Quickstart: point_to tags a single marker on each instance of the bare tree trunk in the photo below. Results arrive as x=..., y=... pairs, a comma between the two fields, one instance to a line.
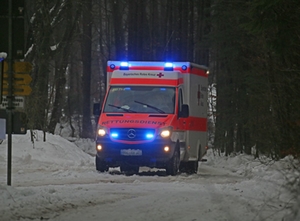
x=119, y=32
x=86, y=48
x=37, y=103
x=61, y=63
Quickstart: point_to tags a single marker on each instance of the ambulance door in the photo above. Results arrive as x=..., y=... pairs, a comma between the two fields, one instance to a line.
x=182, y=124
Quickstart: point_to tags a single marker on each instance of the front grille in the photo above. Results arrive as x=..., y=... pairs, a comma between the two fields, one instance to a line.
x=131, y=134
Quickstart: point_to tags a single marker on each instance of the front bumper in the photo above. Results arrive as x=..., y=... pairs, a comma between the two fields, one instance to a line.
x=151, y=154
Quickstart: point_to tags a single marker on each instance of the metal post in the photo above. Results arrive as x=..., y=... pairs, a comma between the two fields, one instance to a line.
x=9, y=97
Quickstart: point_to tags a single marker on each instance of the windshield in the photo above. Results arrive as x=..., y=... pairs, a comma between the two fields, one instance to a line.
x=140, y=99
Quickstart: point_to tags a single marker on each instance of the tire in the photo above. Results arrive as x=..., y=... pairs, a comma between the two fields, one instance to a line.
x=173, y=165
x=129, y=169
x=193, y=167
x=190, y=167
x=101, y=166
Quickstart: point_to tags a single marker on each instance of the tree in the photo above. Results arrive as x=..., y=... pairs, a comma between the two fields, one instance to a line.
x=86, y=54
x=276, y=26
x=138, y=38
x=41, y=26
x=69, y=28
x=256, y=71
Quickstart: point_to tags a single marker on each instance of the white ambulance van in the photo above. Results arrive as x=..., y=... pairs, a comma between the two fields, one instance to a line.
x=154, y=114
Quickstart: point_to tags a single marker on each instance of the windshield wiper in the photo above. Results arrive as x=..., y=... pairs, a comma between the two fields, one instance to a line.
x=152, y=107
x=122, y=108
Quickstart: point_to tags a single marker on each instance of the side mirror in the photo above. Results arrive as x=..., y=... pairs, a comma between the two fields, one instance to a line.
x=185, y=111
x=96, y=109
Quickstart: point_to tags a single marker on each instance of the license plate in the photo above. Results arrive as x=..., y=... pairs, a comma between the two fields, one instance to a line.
x=131, y=152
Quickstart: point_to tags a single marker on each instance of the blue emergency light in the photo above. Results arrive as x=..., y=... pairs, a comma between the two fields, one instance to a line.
x=168, y=66
x=183, y=67
x=124, y=65
x=114, y=135
x=149, y=135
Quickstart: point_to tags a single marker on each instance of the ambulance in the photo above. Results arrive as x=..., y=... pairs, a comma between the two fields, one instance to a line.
x=154, y=114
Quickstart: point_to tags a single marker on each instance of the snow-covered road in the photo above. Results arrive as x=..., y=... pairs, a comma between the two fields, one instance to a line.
x=49, y=185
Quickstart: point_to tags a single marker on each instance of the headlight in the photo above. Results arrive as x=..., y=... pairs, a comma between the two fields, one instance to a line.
x=101, y=131
x=165, y=132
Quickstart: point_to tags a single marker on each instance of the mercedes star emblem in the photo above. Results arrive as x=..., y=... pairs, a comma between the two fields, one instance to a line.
x=131, y=133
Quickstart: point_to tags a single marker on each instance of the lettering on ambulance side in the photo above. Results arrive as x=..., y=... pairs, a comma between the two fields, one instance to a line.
x=134, y=122
x=141, y=74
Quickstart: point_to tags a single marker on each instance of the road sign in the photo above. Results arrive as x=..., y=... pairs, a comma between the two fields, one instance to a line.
x=5, y=67
x=21, y=78
x=18, y=102
x=17, y=89
x=19, y=67
x=19, y=123
x=18, y=78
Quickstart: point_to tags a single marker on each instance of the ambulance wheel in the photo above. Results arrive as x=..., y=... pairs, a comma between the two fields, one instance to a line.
x=190, y=167
x=173, y=165
x=100, y=165
x=193, y=167
x=129, y=169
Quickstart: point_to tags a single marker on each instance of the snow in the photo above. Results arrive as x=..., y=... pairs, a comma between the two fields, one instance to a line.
x=56, y=180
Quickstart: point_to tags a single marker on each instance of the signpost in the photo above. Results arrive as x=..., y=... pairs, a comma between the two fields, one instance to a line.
x=21, y=79
x=18, y=102
x=18, y=89
x=12, y=18
x=9, y=111
x=18, y=78
x=19, y=67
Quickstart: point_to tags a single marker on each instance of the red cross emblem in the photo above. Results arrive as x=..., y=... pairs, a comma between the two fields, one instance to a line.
x=160, y=75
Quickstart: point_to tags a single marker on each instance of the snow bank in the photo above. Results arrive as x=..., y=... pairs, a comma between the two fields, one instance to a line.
x=56, y=152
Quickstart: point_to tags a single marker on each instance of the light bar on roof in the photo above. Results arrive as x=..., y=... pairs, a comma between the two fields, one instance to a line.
x=124, y=65
x=168, y=66
x=184, y=67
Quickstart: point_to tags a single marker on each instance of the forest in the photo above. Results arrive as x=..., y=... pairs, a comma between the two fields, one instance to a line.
x=251, y=47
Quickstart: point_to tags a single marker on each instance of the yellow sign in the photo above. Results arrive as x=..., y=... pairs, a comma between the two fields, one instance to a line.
x=18, y=79
x=19, y=67
x=17, y=89
x=21, y=78
x=5, y=66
